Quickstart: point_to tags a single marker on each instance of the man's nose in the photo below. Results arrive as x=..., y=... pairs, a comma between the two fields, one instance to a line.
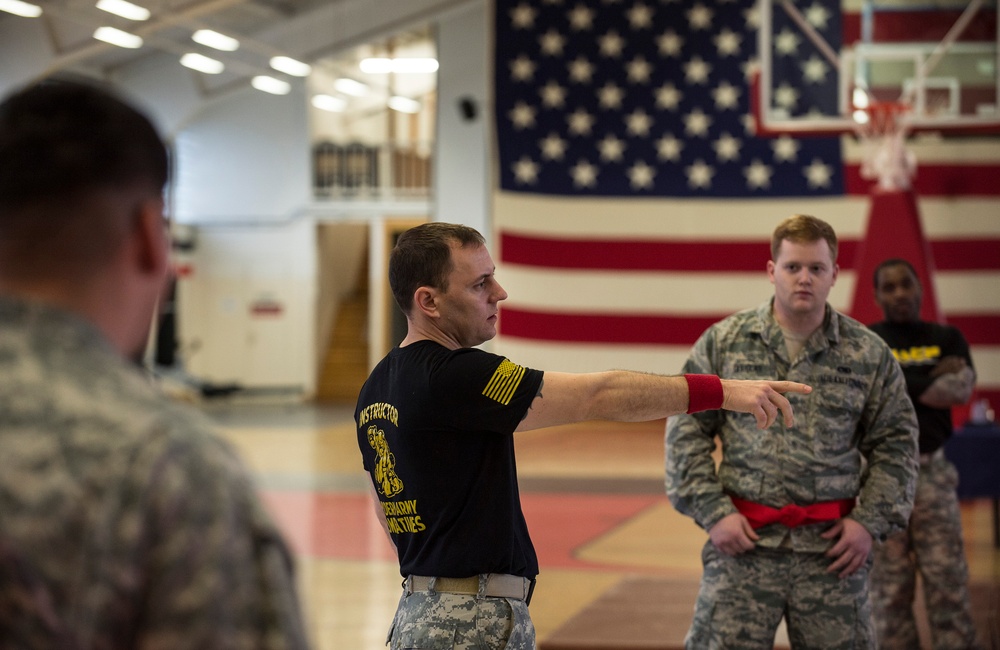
x=500, y=293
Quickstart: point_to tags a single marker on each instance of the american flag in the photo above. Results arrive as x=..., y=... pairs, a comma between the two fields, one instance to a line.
x=646, y=98
x=634, y=205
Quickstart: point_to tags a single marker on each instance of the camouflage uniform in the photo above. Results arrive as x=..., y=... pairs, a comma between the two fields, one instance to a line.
x=935, y=537
x=123, y=522
x=855, y=436
x=431, y=619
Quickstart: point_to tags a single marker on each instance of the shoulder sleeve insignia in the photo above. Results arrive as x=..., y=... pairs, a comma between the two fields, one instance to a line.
x=504, y=382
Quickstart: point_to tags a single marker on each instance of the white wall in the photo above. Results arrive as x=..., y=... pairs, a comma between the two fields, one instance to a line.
x=247, y=308
x=24, y=51
x=246, y=159
x=461, y=174
x=243, y=180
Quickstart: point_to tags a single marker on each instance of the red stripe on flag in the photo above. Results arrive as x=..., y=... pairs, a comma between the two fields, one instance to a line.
x=895, y=26
x=978, y=329
x=708, y=255
x=937, y=180
x=644, y=255
x=966, y=254
x=603, y=328
x=633, y=255
x=648, y=329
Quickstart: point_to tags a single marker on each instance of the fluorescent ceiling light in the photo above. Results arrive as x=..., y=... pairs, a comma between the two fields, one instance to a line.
x=350, y=87
x=329, y=103
x=401, y=65
x=202, y=63
x=215, y=39
x=117, y=37
x=403, y=104
x=124, y=9
x=19, y=8
x=290, y=66
x=271, y=85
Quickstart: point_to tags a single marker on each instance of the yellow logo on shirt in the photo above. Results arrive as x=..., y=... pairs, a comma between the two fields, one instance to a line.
x=386, y=480
x=918, y=355
x=504, y=382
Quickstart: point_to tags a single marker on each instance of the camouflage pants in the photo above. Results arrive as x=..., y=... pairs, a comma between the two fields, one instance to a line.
x=429, y=620
x=743, y=599
x=932, y=545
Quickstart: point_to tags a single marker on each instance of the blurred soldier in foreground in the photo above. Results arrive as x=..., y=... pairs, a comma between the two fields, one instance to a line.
x=123, y=522
x=938, y=369
x=792, y=512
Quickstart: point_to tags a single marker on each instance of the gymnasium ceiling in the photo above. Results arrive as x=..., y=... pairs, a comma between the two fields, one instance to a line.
x=330, y=35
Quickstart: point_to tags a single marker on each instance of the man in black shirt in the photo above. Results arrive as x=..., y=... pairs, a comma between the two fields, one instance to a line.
x=436, y=420
x=939, y=374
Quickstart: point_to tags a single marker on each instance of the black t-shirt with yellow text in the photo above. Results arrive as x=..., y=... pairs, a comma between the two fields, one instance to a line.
x=435, y=428
x=919, y=347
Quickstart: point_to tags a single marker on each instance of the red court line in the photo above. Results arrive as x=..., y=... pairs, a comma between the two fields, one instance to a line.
x=330, y=525
x=561, y=524
x=344, y=526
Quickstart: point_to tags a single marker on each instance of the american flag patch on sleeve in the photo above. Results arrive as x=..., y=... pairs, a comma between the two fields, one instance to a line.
x=504, y=382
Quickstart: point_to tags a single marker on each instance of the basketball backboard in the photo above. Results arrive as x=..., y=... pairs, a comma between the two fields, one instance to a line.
x=820, y=70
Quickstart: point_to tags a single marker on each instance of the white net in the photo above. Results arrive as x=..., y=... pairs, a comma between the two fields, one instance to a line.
x=886, y=158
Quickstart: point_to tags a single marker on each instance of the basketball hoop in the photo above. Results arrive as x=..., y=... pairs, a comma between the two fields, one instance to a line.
x=882, y=129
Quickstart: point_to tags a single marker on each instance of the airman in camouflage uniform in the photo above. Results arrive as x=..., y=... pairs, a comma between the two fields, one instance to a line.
x=854, y=438
x=124, y=523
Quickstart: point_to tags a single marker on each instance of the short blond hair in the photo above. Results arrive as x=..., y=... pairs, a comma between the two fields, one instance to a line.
x=803, y=229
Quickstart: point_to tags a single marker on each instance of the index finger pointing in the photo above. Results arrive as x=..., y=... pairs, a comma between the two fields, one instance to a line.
x=791, y=387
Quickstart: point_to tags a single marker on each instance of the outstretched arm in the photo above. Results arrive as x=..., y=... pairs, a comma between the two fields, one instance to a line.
x=626, y=396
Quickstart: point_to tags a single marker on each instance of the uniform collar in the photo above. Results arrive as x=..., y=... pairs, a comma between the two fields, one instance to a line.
x=767, y=327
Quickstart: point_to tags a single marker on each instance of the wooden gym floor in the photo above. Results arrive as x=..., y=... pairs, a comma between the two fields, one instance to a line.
x=619, y=567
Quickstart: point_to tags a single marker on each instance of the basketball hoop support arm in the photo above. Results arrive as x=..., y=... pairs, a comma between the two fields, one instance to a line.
x=760, y=81
x=811, y=33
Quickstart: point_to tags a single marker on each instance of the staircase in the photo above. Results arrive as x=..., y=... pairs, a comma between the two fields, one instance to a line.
x=346, y=365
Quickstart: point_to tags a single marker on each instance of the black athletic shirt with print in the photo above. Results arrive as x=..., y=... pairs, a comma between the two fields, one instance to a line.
x=435, y=427
x=918, y=347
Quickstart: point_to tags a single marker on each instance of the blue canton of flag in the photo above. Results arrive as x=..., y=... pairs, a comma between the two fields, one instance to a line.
x=651, y=98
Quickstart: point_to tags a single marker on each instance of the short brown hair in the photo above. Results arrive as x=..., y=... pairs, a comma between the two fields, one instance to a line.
x=803, y=229
x=422, y=258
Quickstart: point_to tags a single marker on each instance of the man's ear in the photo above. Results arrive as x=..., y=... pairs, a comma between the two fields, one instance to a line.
x=152, y=240
x=425, y=301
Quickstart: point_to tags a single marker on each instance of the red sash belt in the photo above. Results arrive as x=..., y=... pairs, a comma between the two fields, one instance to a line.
x=792, y=515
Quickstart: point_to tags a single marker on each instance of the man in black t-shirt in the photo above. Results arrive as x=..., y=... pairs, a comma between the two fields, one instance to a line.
x=939, y=374
x=436, y=420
